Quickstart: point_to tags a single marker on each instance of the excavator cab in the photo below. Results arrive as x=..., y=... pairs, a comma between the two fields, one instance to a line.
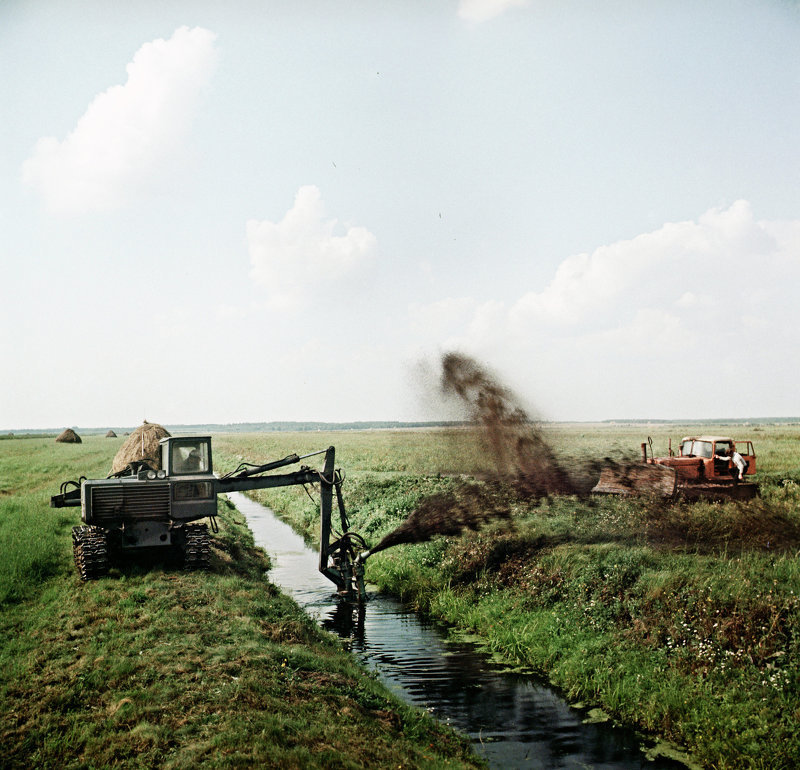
x=186, y=456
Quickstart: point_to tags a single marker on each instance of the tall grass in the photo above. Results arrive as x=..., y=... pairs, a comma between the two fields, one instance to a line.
x=33, y=549
x=679, y=619
x=155, y=667
x=35, y=538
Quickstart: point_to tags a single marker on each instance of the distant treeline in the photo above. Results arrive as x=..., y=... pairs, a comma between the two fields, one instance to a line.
x=242, y=427
x=266, y=427
x=30, y=434
x=716, y=421
x=287, y=426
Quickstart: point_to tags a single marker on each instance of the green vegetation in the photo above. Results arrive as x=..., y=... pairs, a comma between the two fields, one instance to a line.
x=154, y=667
x=681, y=620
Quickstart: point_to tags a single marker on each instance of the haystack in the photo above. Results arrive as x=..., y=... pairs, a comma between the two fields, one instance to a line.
x=111, y=434
x=141, y=445
x=69, y=436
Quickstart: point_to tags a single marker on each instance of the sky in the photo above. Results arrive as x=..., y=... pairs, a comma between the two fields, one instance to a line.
x=271, y=210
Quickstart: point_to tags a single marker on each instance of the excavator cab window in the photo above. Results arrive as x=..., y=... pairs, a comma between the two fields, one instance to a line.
x=190, y=456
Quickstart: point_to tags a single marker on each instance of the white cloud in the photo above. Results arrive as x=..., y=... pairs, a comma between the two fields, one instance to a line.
x=239, y=312
x=689, y=300
x=292, y=257
x=127, y=130
x=651, y=331
x=483, y=10
x=637, y=327
x=706, y=260
x=457, y=322
x=442, y=317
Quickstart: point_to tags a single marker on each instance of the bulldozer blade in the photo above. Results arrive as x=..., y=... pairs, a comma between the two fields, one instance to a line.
x=637, y=479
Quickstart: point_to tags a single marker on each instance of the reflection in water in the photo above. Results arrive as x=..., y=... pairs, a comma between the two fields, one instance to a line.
x=514, y=720
x=346, y=621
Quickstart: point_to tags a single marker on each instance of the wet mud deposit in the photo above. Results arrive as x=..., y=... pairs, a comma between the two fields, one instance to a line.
x=513, y=720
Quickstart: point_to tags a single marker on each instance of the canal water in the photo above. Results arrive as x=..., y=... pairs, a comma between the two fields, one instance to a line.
x=514, y=720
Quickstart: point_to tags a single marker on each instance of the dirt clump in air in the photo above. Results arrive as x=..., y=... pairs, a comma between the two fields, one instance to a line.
x=516, y=443
x=467, y=508
x=523, y=460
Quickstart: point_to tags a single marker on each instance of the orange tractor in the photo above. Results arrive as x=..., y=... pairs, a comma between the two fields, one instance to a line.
x=705, y=468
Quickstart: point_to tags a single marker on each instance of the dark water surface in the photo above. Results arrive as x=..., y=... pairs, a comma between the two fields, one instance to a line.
x=514, y=720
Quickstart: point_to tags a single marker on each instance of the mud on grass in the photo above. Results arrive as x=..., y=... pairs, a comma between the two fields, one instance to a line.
x=692, y=637
x=679, y=619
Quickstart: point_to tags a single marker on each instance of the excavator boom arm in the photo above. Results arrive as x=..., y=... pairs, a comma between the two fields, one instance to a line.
x=338, y=558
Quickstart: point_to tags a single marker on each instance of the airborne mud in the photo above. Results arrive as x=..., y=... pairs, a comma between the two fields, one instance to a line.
x=469, y=507
x=516, y=443
x=520, y=456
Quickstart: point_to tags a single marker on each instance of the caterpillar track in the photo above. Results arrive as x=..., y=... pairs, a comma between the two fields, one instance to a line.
x=197, y=547
x=90, y=549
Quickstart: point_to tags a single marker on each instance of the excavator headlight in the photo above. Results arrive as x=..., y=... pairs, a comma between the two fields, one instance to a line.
x=162, y=474
x=151, y=474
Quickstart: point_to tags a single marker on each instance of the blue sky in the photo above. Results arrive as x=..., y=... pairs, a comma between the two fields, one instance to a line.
x=289, y=211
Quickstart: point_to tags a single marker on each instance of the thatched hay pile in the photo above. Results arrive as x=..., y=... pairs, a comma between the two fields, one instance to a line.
x=141, y=445
x=69, y=436
x=111, y=434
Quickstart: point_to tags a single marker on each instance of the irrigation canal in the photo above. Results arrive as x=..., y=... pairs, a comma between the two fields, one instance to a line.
x=514, y=720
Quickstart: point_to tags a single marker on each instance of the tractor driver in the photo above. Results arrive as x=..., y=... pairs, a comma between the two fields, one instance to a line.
x=738, y=465
x=192, y=463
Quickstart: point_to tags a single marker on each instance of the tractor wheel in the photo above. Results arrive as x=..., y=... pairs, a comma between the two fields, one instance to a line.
x=90, y=549
x=196, y=547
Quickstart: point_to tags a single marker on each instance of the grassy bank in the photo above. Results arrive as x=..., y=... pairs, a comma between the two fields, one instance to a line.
x=681, y=620
x=155, y=667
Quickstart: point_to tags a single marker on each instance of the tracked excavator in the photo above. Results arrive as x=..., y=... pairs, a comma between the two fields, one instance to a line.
x=159, y=504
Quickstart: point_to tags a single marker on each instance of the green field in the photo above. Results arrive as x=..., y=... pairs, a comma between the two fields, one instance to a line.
x=681, y=620
x=153, y=667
